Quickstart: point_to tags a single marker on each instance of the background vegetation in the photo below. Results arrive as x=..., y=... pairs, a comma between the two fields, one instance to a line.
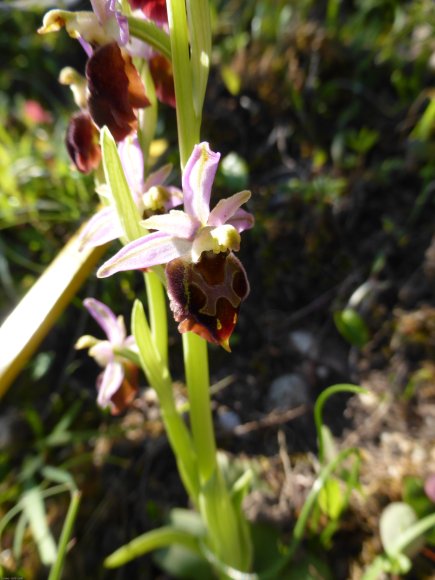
x=326, y=111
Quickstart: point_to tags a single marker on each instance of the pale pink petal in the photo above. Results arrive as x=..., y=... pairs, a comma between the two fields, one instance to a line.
x=130, y=342
x=130, y=153
x=226, y=208
x=109, y=382
x=242, y=220
x=151, y=250
x=175, y=223
x=103, y=227
x=115, y=331
x=158, y=177
x=102, y=352
x=100, y=11
x=198, y=177
x=175, y=197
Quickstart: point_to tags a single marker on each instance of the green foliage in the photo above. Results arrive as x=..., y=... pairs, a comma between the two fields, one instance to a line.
x=351, y=326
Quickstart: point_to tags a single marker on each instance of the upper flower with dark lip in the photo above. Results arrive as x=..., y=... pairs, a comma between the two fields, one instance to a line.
x=206, y=282
x=193, y=231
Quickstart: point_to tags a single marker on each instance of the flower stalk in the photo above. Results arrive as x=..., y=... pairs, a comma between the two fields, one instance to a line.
x=227, y=533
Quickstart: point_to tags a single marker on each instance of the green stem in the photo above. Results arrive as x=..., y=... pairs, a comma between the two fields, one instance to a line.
x=188, y=122
x=197, y=379
x=159, y=378
x=151, y=34
x=148, y=116
x=56, y=570
x=198, y=13
x=157, y=314
x=318, y=410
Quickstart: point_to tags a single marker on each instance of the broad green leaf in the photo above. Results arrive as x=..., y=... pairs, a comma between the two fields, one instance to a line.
x=395, y=519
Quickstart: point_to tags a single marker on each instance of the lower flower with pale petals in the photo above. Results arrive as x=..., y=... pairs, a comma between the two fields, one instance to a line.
x=117, y=383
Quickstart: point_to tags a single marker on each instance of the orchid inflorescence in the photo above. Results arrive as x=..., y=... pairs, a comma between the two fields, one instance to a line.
x=141, y=53
x=205, y=281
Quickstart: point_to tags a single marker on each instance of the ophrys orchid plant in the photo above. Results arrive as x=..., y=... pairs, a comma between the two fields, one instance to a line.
x=186, y=255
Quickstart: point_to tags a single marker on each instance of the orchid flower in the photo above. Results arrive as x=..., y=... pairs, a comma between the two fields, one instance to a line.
x=102, y=26
x=117, y=384
x=114, y=90
x=150, y=195
x=206, y=282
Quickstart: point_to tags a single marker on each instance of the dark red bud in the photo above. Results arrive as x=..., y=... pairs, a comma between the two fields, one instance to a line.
x=82, y=142
x=153, y=9
x=161, y=71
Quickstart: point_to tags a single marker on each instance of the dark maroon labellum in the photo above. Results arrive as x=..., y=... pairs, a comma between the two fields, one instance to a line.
x=82, y=142
x=115, y=90
x=205, y=297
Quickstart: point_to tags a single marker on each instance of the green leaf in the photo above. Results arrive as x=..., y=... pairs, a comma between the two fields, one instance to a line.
x=309, y=568
x=425, y=126
x=351, y=326
x=122, y=197
x=235, y=171
x=231, y=79
x=153, y=540
x=266, y=542
x=57, y=475
x=415, y=496
x=331, y=499
x=318, y=414
x=395, y=519
x=329, y=446
x=34, y=508
x=20, y=530
x=180, y=562
x=188, y=521
x=147, y=31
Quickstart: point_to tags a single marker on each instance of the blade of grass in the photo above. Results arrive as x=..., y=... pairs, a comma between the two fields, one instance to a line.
x=56, y=570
